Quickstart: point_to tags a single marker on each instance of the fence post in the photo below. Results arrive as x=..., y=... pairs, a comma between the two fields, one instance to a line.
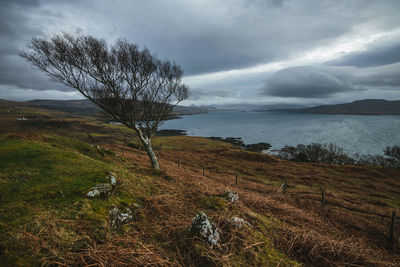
x=140, y=151
x=323, y=198
x=236, y=177
x=284, y=186
x=179, y=162
x=204, y=170
x=159, y=155
x=391, y=233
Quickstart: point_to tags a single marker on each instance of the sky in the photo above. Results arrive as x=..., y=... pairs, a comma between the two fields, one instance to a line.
x=261, y=52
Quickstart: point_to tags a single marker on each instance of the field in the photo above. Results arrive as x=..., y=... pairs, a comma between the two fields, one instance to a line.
x=50, y=160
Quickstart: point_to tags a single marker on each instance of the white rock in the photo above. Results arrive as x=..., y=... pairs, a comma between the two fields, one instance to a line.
x=112, y=179
x=231, y=196
x=202, y=226
x=100, y=190
x=238, y=222
x=92, y=194
x=118, y=218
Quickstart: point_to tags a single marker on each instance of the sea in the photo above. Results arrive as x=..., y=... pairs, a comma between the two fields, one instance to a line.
x=356, y=134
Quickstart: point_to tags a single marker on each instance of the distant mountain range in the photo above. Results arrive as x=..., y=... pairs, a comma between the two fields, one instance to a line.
x=86, y=107
x=359, y=107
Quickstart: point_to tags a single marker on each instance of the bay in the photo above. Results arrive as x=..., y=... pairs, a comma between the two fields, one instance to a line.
x=354, y=133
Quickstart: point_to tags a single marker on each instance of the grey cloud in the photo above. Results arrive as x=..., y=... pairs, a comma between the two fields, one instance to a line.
x=220, y=35
x=381, y=54
x=16, y=28
x=322, y=81
x=206, y=37
x=387, y=76
x=304, y=82
x=201, y=93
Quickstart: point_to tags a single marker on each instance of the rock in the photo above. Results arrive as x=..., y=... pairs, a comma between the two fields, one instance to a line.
x=118, y=217
x=238, y=222
x=100, y=190
x=202, y=226
x=231, y=196
x=112, y=179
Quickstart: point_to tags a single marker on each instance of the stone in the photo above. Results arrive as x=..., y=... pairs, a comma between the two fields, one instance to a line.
x=238, y=222
x=231, y=196
x=119, y=217
x=100, y=190
x=203, y=227
x=112, y=179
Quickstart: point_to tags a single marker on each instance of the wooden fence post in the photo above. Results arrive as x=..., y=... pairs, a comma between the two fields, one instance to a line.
x=179, y=162
x=204, y=170
x=284, y=186
x=159, y=155
x=140, y=151
x=323, y=198
x=236, y=177
x=391, y=233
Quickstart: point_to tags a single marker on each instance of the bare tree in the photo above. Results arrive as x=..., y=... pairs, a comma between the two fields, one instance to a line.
x=134, y=87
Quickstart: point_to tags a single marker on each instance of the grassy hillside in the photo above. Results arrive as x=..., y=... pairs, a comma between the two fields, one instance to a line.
x=51, y=160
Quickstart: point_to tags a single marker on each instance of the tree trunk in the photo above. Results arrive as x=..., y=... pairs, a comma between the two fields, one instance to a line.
x=152, y=155
x=146, y=141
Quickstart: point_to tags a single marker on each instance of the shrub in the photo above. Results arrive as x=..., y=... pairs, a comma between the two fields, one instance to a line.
x=394, y=156
x=323, y=153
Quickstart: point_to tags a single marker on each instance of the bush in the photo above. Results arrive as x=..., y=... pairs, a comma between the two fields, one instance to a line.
x=259, y=147
x=371, y=160
x=323, y=153
x=394, y=156
x=332, y=154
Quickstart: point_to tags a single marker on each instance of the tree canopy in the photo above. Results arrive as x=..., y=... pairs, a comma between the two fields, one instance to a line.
x=131, y=85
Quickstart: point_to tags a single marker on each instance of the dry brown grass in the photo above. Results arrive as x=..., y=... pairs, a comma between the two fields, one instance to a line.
x=352, y=230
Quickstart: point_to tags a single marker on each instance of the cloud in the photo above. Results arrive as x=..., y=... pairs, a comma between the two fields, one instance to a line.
x=323, y=81
x=377, y=55
x=304, y=82
x=17, y=94
x=227, y=48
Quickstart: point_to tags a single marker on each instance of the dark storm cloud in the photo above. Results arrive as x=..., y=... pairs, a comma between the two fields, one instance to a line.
x=375, y=56
x=16, y=27
x=213, y=36
x=304, y=82
x=322, y=81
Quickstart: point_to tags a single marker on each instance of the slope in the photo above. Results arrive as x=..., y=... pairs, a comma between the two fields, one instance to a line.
x=49, y=162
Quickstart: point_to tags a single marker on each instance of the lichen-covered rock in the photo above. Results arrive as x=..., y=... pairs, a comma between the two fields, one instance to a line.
x=238, y=222
x=203, y=227
x=119, y=217
x=100, y=191
x=231, y=196
x=112, y=180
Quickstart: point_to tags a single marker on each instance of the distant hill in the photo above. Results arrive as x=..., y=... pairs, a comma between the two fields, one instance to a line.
x=359, y=107
x=82, y=106
x=86, y=107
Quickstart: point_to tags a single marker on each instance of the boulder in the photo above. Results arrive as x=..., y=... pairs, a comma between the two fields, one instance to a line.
x=100, y=190
x=119, y=217
x=231, y=196
x=202, y=226
x=238, y=222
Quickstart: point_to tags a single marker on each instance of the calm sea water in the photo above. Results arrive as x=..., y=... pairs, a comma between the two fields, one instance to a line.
x=356, y=134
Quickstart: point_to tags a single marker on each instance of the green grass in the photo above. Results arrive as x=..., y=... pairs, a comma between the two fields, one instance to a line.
x=36, y=174
x=46, y=180
x=50, y=177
